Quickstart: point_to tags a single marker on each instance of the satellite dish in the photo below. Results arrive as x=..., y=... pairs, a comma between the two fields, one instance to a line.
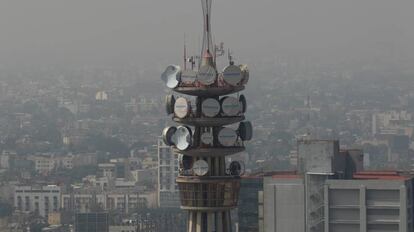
x=243, y=103
x=227, y=137
x=236, y=168
x=186, y=161
x=207, y=138
x=181, y=107
x=183, y=136
x=246, y=131
x=245, y=73
x=230, y=106
x=168, y=135
x=200, y=167
x=188, y=76
x=169, y=104
x=207, y=75
x=210, y=107
x=171, y=76
x=232, y=75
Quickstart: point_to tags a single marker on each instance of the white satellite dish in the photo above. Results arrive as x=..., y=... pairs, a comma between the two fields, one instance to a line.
x=168, y=135
x=183, y=136
x=188, y=76
x=181, y=107
x=230, y=106
x=232, y=75
x=243, y=103
x=171, y=76
x=200, y=167
x=207, y=138
x=227, y=137
x=245, y=130
x=210, y=107
x=169, y=104
x=207, y=75
x=245, y=73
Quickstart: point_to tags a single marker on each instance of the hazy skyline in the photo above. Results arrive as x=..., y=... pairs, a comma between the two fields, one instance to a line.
x=105, y=31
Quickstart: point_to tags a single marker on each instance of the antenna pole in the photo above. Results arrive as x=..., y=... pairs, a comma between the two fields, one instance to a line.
x=185, y=54
x=207, y=53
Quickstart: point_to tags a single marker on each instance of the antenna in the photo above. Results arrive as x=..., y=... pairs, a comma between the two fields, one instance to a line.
x=230, y=57
x=172, y=76
x=207, y=49
x=185, y=54
x=220, y=49
x=308, y=119
x=192, y=62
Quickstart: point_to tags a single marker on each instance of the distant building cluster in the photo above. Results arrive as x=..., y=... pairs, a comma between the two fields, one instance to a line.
x=129, y=189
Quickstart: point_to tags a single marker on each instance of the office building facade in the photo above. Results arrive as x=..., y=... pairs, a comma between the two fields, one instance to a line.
x=40, y=200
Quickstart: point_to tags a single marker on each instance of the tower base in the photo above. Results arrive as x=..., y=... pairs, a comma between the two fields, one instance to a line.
x=209, y=221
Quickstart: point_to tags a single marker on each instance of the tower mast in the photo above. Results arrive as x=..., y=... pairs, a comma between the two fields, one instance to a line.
x=207, y=49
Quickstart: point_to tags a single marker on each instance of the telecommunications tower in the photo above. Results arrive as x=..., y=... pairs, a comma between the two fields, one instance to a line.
x=209, y=112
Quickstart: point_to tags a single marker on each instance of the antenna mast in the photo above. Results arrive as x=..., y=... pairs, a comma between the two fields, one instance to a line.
x=207, y=49
x=185, y=54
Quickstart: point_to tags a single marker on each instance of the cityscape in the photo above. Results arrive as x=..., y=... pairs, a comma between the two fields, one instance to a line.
x=188, y=133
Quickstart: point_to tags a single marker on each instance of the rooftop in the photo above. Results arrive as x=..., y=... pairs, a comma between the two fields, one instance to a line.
x=381, y=175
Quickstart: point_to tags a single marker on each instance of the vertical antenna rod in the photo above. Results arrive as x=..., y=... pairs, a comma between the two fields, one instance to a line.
x=185, y=54
x=207, y=57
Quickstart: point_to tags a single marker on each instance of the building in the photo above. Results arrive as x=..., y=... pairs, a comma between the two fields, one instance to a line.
x=40, y=200
x=319, y=160
x=54, y=218
x=374, y=201
x=248, y=210
x=7, y=159
x=145, y=175
x=107, y=170
x=55, y=228
x=89, y=202
x=123, y=228
x=393, y=122
x=115, y=169
x=325, y=196
x=284, y=203
x=91, y=222
x=168, y=194
x=319, y=156
x=47, y=163
x=44, y=164
x=371, y=202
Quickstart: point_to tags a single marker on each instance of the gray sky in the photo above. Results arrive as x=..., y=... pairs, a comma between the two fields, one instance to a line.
x=102, y=31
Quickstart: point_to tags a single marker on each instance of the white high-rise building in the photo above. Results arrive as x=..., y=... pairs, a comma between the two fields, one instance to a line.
x=168, y=195
x=40, y=200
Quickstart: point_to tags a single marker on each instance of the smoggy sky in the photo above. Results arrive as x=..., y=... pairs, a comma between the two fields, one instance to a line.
x=144, y=31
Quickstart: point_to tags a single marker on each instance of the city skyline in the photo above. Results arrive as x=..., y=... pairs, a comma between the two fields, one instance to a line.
x=327, y=85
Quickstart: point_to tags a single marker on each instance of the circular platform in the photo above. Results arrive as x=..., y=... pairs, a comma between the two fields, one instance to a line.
x=210, y=152
x=208, y=193
x=209, y=91
x=209, y=122
x=207, y=179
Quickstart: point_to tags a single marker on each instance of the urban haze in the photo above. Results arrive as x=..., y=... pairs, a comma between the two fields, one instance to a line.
x=330, y=100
